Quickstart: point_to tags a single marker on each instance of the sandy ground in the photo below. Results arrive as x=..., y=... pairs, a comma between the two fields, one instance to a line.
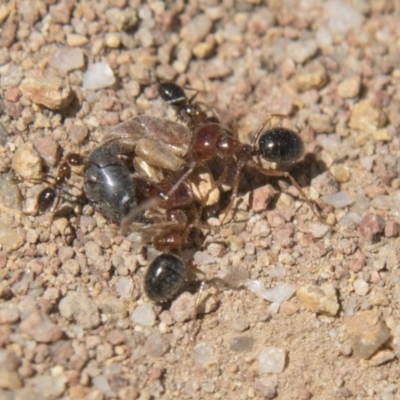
x=74, y=320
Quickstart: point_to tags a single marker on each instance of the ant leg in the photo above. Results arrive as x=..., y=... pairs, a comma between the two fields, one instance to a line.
x=198, y=298
x=235, y=191
x=194, y=96
x=287, y=175
x=221, y=179
x=126, y=221
x=182, y=179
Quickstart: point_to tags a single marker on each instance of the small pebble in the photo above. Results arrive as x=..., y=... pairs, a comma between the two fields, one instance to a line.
x=242, y=344
x=26, y=162
x=277, y=294
x=372, y=227
x=47, y=149
x=349, y=87
x=197, y=29
x=10, y=239
x=302, y=50
x=342, y=17
x=98, y=76
x=312, y=76
x=366, y=117
x=338, y=200
x=325, y=184
x=367, y=333
x=361, y=287
x=144, y=315
x=266, y=389
x=51, y=92
x=78, y=307
x=319, y=230
x=321, y=123
x=10, y=380
x=66, y=59
x=47, y=386
x=341, y=173
x=156, y=345
x=271, y=360
x=182, y=309
x=240, y=324
x=40, y=328
x=10, y=195
x=202, y=354
x=125, y=287
x=101, y=383
x=121, y=19
x=75, y=40
x=319, y=299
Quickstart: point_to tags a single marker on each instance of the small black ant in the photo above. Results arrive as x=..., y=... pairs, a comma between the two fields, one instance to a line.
x=190, y=111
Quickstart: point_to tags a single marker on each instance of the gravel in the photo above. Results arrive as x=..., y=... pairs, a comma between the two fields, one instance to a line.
x=74, y=320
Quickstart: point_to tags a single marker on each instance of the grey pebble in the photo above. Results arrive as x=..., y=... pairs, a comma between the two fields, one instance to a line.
x=241, y=344
x=78, y=307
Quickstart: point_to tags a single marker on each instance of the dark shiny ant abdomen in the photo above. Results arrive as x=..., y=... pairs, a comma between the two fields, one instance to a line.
x=281, y=145
x=109, y=185
x=172, y=94
x=46, y=198
x=164, y=278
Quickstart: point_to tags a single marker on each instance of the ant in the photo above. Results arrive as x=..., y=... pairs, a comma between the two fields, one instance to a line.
x=190, y=112
x=50, y=196
x=209, y=141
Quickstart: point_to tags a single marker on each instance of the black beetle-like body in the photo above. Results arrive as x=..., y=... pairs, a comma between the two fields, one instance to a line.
x=281, y=145
x=164, y=278
x=108, y=184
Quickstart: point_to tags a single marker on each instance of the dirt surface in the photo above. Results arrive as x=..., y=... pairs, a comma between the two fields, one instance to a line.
x=74, y=320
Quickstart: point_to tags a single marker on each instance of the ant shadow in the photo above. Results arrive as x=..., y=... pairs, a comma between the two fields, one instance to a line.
x=303, y=172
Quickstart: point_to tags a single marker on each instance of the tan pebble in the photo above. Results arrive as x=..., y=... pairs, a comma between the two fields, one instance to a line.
x=321, y=123
x=367, y=117
x=9, y=238
x=379, y=299
x=51, y=92
x=331, y=219
x=382, y=135
x=235, y=243
x=75, y=40
x=26, y=162
x=367, y=332
x=341, y=173
x=381, y=357
x=319, y=299
x=113, y=40
x=289, y=307
x=61, y=224
x=202, y=50
x=349, y=87
x=9, y=380
x=201, y=184
x=312, y=76
x=207, y=303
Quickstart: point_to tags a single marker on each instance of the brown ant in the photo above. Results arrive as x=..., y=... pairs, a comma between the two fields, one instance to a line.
x=50, y=196
x=209, y=141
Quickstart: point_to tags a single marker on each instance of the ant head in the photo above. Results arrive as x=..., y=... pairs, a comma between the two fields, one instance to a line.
x=280, y=145
x=172, y=94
